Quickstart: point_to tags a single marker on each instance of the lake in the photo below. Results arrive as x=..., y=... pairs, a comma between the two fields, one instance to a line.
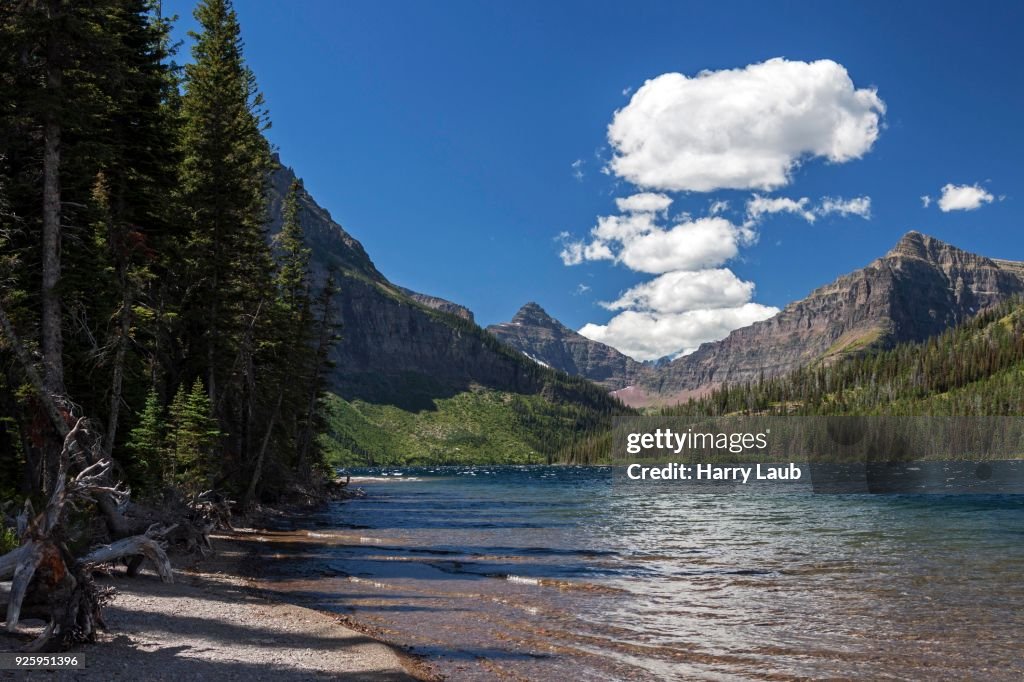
x=543, y=573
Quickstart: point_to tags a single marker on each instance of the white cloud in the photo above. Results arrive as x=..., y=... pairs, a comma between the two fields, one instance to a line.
x=574, y=253
x=648, y=336
x=759, y=206
x=581, y=289
x=571, y=253
x=623, y=228
x=744, y=128
x=692, y=301
x=858, y=206
x=703, y=243
x=577, y=169
x=963, y=198
x=639, y=242
x=645, y=202
x=678, y=292
x=926, y=201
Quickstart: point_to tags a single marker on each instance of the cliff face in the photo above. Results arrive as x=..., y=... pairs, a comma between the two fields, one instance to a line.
x=920, y=288
x=544, y=339
x=400, y=347
x=441, y=304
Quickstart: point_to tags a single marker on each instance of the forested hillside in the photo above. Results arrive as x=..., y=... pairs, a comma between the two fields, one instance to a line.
x=976, y=368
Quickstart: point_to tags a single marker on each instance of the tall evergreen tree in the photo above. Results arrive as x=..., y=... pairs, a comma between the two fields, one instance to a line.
x=224, y=169
x=226, y=159
x=82, y=143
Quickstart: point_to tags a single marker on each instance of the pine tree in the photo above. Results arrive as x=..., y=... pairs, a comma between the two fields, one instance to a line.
x=192, y=434
x=84, y=87
x=228, y=287
x=147, y=441
x=224, y=167
x=293, y=257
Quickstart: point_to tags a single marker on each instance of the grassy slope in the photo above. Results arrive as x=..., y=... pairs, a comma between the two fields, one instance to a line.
x=474, y=427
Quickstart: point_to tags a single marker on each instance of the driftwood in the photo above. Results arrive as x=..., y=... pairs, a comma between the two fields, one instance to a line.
x=140, y=545
x=47, y=582
x=44, y=576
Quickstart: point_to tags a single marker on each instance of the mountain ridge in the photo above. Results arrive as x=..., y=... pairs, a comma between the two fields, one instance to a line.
x=919, y=288
x=543, y=339
x=415, y=354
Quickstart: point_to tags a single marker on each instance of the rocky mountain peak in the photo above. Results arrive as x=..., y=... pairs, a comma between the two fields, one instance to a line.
x=532, y=314
x=924, y=247
x=545, y=340
x=920, y=288
x=912, y=245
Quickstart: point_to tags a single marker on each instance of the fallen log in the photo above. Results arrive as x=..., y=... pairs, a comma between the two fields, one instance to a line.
x=144, y=545
x=9, y=562
x=42, y=571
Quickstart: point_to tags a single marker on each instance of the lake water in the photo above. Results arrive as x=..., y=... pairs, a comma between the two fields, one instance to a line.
x=545, y=573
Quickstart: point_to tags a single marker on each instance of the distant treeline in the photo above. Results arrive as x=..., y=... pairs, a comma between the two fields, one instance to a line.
x=976, y=368
x=136, y=277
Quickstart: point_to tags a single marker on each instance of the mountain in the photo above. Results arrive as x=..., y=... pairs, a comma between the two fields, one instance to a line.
x=544, y=339
x=441, y=304
x=972, y=369
x=922, y=287
x=402, y=354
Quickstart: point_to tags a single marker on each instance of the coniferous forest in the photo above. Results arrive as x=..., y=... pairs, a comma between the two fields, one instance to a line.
x=161, y=360
x=139, y=288
x=976, y=368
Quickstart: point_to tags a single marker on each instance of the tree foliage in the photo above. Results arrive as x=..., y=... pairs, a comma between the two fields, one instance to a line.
x=198, y=345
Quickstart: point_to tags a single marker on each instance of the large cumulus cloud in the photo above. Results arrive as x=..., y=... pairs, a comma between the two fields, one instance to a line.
x=743, y=128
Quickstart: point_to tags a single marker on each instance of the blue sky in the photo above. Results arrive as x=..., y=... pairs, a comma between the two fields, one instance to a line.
x=443, y=135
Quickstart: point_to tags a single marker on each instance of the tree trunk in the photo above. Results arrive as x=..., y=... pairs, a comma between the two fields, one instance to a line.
x=322, y=348
x=117, y=380
x=52, y=341
x=250, y=494
x=116, y=521
x=56, y=418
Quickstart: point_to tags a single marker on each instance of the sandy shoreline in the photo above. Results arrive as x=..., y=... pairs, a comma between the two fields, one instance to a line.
x=216, y=622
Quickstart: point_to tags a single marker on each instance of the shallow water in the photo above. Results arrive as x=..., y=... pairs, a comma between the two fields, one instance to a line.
x=546, y=572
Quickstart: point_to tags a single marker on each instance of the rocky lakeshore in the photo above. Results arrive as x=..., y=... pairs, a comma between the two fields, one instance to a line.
x=218, y=621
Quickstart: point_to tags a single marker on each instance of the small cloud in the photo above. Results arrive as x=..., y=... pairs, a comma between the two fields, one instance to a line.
x=627, y=91
x=581, y=289
x=577, y=169
x=574, y=253
x=717, y=207
x=759, y=206
x=858, y=206
x=926, y=201
x=645, y=202
x=963, y=198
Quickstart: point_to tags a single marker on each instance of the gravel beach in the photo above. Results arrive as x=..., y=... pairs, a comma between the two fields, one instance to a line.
x=212, y=624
